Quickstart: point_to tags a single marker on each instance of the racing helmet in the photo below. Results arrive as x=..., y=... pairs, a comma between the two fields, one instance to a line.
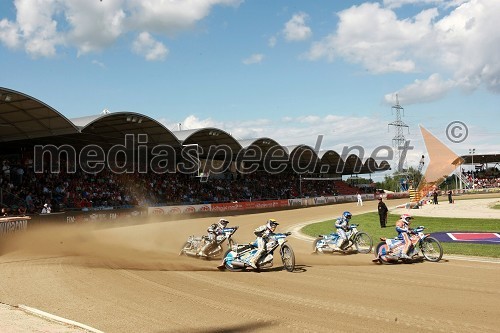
x=347, y=215
x=272, y=224
x=223, y=223
x=406, y=218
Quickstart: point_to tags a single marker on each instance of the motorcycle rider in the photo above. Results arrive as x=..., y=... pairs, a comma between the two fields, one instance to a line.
x=342, y=226
x=263, y=232
x=213, y=231
x=403, y=230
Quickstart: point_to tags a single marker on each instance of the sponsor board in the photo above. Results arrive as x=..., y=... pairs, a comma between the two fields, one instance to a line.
x=13, y=224
x=331, y=199
x=320, y=201
x=181, y=209
x=235, y=206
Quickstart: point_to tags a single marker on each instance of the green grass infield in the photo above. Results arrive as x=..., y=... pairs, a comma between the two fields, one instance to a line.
x=369, y=223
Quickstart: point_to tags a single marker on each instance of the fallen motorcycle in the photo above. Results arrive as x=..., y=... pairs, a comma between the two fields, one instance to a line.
x=194, y=244
x=360, y=240
x=389, y=251
x=238, y=257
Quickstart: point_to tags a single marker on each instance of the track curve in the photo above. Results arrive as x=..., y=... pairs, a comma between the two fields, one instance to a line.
x=131, y=279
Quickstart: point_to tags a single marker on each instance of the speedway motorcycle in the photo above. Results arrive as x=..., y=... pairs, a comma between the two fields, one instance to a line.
x=389, y=251
x=359, y=240
x=238, y=257
x=194, y=244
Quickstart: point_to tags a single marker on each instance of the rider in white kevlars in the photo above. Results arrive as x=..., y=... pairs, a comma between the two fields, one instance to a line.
x=262, y=234
x=213, y=231
x=403, y=229
x=342, y=226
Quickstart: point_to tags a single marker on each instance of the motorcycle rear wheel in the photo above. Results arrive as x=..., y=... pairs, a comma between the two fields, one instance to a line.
x=288, y=258
x=431, y=249
x=363, y=242
x=229, y=267
x=381, y=258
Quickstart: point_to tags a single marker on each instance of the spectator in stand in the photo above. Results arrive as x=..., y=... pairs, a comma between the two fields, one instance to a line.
x=5, y=212
x=21, y=211
x=29, y=202
x=382, y=212
x=6, y=169
x=46, y=209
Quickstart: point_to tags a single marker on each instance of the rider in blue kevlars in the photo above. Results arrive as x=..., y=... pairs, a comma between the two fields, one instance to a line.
x=262, y=234
x=342, y=226
x=213, y=231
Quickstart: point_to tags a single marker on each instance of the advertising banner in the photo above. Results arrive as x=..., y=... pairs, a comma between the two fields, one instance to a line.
x=247, y=205
x=180, y=209
x=13, y=224
x=79, y=216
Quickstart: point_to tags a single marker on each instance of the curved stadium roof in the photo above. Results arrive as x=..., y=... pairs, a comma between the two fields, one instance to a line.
x=23, y=117
x=26, y=121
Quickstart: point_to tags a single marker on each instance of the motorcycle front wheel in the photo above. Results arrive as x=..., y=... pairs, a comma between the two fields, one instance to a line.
x=315, y=244
x=288, y=258
x=363, y=242
x=431, y=249
x=185, y=247
x=228, y=263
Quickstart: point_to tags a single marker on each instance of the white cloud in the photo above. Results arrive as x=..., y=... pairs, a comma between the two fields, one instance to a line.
x=9, y=34
x=462, y=46
x=375, y=38
x=296, y=29
x=98, y=63
x=170, y=17
x=422, y=91
x=193, y=122
x=272, y=41
x=43, y=26
x=442, y=3
x=94, y=26
x=253, y=59
x=148, y=47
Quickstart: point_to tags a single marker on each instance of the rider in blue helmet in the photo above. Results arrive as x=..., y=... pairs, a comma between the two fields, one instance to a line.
x=342, y=225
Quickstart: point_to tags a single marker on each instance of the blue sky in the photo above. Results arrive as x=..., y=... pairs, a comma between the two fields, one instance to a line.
x=289, y=70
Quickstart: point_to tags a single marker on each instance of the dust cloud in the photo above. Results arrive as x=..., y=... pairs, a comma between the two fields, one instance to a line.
x=152, y=246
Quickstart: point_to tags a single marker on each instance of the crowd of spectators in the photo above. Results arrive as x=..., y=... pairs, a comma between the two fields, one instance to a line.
x=484, y=178
x=23, y=188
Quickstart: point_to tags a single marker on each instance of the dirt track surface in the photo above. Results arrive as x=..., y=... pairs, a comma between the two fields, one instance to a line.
x=131, y=279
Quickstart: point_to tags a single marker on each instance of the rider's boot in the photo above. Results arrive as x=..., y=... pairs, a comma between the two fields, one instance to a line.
x=405, y=256
x=253, y=262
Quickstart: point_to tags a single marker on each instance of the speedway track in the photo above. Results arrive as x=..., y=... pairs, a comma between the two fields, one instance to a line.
x=130, y=279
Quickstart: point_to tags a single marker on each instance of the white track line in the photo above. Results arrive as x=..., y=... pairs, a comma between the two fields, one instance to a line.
x=57, y=318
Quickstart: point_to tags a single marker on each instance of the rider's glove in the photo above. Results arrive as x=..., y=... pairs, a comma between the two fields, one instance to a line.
x=288, y=233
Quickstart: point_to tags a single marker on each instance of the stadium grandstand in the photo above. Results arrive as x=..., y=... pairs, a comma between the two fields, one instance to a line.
x=118, y=159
